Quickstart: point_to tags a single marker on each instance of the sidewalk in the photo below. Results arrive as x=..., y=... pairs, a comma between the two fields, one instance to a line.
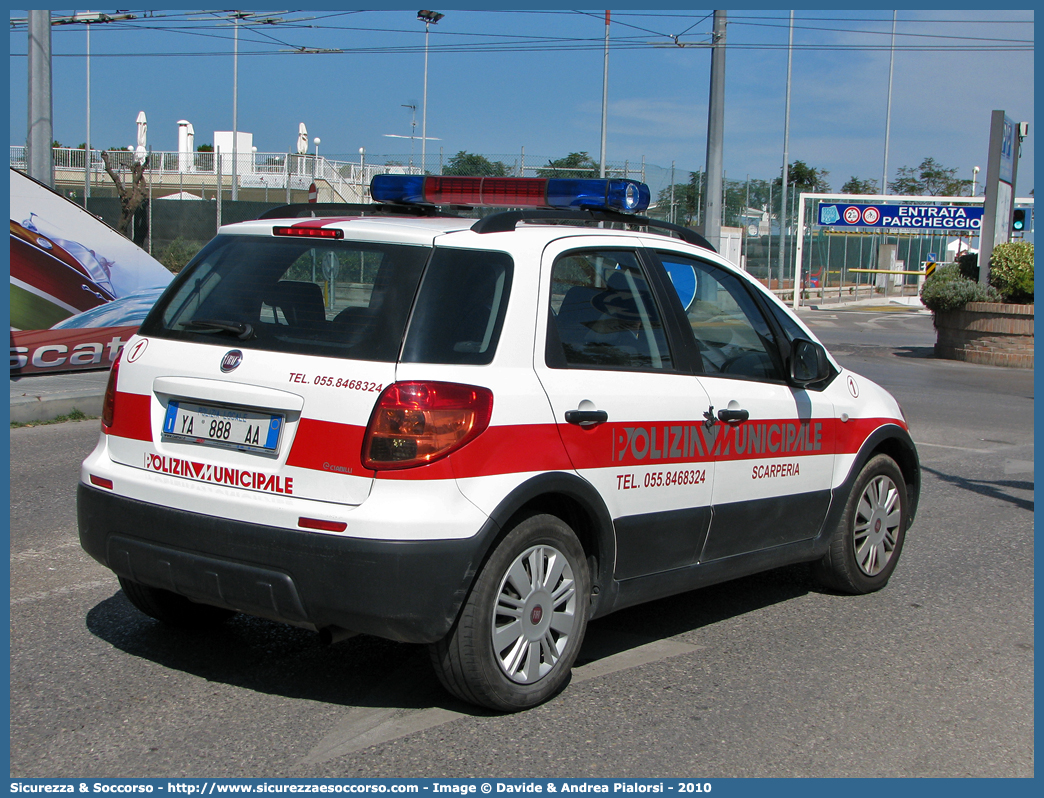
x=42, y=397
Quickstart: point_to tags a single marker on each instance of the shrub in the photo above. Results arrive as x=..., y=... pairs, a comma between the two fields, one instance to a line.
x=969, y=265
x=1011, y=271
x=178, y=253
x=947, y=289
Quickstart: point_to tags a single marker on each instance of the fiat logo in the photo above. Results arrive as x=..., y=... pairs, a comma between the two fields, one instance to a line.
x=231, y=361
x=536, y=615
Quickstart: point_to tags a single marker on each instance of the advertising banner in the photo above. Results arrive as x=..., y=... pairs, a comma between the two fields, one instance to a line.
x=52, y=351
x=79, y=289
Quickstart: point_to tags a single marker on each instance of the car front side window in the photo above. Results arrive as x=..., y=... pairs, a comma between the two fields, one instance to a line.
x=732, y=335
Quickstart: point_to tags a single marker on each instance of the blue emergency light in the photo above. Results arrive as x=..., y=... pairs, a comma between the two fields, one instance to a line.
x=622, y=196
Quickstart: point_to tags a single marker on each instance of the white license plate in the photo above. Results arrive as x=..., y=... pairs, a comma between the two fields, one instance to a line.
x=222, y=426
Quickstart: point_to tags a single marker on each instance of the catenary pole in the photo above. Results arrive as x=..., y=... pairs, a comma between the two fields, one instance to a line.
x=40, y=137
x=605, y=97
x=715, y=134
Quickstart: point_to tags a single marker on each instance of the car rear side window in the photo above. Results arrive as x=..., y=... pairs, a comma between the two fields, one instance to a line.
x=460, y=308
x=603, y=315
x=336, y=299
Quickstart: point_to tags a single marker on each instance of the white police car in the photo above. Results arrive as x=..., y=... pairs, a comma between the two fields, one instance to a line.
x=480, y=434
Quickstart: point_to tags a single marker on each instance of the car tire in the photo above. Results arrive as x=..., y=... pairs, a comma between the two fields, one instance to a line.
x=170, y=608
x=866, y=544
x=520, y=629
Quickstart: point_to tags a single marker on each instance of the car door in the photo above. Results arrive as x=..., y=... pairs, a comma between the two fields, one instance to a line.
x=628, y=414
x=773, y=446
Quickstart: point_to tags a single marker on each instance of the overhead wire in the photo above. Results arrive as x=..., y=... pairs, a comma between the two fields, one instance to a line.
x=257, y=31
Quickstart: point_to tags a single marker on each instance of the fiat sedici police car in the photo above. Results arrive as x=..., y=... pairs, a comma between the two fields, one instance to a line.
x=480, y=434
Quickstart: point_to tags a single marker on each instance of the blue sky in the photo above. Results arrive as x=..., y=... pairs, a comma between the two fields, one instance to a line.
x=503, y=80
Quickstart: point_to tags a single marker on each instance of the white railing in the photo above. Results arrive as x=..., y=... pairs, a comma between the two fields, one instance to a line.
x=349, y=181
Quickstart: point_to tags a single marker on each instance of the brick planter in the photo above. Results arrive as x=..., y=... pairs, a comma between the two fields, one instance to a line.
x=987, y=333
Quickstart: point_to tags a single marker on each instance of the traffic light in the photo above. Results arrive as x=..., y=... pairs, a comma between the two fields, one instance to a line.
x=1018, y=220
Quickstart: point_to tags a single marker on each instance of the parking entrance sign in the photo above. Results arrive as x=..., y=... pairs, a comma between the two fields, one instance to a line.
x=916, y=217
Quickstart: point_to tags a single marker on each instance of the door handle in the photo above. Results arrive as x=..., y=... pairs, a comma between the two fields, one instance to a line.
x=733, y=416
x=586, y=418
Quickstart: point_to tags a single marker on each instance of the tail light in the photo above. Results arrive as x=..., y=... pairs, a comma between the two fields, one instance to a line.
x=109, y=402
x=414, y=423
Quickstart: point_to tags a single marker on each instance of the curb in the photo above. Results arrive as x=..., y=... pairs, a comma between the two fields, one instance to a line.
x=26, y=409
x=45, y=397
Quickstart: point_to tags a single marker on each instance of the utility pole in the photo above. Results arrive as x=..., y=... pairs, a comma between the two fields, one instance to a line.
x=715, y=134
x=40, y=138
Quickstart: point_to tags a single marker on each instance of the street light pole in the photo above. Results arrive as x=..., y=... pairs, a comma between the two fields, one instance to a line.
x=786, y=171
x=88, y=18
x=235, y=109
x=429, y=18
x=87, y=144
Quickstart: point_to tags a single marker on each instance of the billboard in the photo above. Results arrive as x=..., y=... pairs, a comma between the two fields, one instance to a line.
x=66, y=262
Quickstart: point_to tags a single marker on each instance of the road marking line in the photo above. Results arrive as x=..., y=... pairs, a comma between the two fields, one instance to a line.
x=959, y=448
x=1018, y=466
x=632, y=658
x=363, y=727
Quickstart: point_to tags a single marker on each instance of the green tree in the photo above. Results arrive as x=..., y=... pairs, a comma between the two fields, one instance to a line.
x=800, y=177
x=205, y=148
x=931, y=178
x=684, y=198
x=857, y=186
x=575, y=164
x=805, y=178
x=469, y=164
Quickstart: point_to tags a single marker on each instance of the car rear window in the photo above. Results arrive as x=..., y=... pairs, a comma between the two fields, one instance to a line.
x=460, y=308
x=337, y=299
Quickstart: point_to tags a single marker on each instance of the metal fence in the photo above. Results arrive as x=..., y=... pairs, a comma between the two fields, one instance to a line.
x=174, y=229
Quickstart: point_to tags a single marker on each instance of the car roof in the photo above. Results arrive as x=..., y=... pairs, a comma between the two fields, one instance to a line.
x=422, y=229
x=404, y=229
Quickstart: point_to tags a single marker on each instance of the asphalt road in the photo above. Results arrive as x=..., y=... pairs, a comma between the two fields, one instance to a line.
x=766, y=676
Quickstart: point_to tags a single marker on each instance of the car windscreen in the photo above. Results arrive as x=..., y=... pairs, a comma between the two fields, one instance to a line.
x=330, y=298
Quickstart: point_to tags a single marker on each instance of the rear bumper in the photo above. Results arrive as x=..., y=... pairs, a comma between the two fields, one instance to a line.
x=409, y=591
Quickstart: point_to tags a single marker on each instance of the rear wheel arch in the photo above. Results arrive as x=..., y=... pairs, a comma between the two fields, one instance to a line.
x=576, y=502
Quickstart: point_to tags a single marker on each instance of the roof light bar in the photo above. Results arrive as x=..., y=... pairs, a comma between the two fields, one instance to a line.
x=622, y=196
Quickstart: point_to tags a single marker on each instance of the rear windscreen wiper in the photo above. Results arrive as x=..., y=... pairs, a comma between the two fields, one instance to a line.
x=241, y=330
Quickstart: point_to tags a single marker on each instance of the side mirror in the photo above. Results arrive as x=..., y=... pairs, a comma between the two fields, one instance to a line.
x=808, y=362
